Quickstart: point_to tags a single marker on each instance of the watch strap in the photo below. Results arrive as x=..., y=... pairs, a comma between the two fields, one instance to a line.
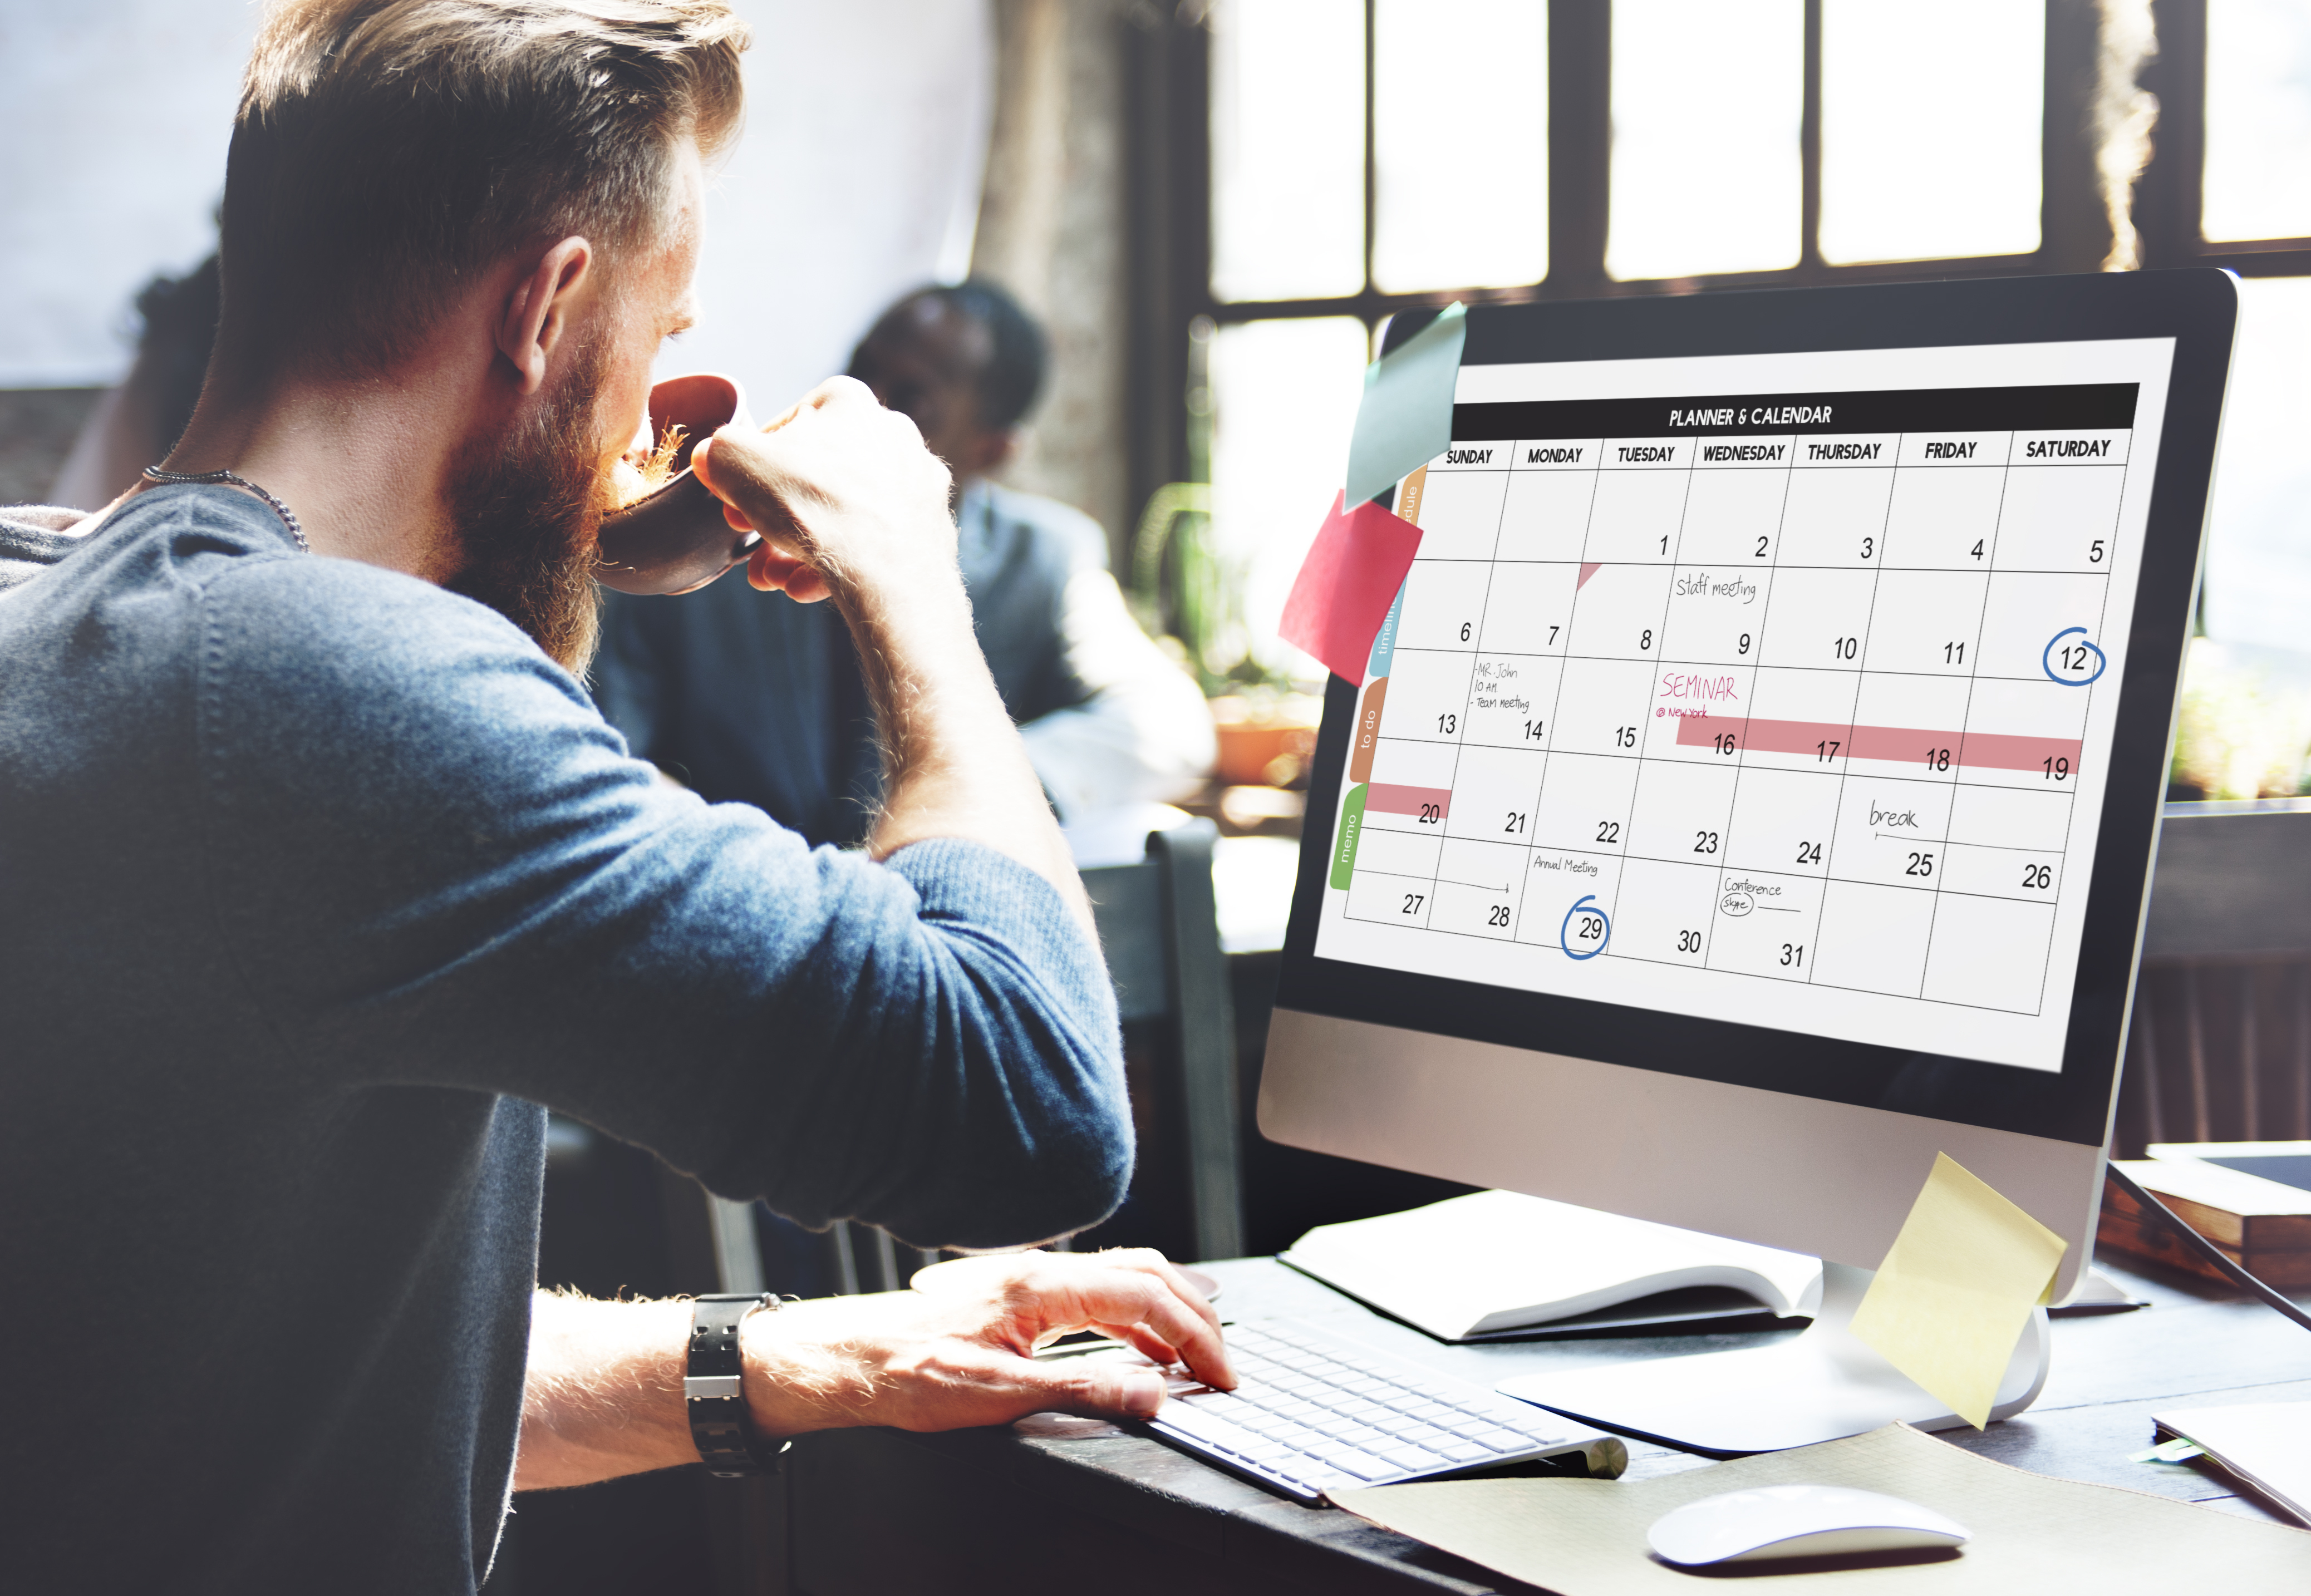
x=711, y=1389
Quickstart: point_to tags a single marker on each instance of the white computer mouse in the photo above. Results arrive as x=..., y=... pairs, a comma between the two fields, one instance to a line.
x=1797, y=1521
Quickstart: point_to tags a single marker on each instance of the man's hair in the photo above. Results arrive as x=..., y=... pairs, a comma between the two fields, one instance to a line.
x=1011, y=377
x=387, y=152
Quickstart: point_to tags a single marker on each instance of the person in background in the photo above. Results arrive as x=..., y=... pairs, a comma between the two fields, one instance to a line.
x=764, y=704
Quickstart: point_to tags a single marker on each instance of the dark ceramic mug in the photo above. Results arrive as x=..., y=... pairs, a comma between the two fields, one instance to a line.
x=678, y=538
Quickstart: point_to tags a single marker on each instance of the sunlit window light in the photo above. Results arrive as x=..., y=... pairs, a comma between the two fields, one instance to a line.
x=1287, y=149
x=1930, y=136
x=1708, y=101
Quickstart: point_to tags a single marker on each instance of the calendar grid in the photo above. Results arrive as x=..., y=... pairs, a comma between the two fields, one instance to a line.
x=1966, y=721
x=1628, y=847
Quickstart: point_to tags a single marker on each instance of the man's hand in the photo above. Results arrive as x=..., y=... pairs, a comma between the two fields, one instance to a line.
x=845, y=495
x=852, y=506
x=602, y=1396
x=958, y=1349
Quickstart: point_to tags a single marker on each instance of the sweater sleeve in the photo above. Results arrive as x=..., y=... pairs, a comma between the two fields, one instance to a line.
x=434, y=866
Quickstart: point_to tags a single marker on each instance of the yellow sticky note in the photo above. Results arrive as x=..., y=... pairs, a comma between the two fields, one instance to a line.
x=1957, y=1288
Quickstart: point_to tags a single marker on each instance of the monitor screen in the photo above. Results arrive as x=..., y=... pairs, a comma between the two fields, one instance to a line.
x=1781, y=694
x=1772, y=689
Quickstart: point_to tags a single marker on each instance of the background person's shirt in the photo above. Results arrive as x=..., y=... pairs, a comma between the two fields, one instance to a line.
x=749, y=697
x=317, y=881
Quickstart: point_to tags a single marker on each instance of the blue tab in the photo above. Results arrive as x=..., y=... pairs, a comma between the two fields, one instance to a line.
x=1384, y=639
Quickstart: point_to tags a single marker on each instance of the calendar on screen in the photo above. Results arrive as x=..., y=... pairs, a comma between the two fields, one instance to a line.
x=1774, y=689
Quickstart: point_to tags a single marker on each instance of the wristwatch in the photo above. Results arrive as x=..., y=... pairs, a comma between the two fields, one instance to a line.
x=719, y=1423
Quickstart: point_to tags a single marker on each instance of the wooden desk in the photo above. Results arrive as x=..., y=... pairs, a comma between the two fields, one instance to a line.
x=881, y=1512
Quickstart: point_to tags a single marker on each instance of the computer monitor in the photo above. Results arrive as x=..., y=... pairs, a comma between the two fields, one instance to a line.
x=1754, y=791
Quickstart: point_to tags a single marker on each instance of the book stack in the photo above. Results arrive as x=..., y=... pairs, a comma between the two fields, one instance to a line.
x=2222, y=1192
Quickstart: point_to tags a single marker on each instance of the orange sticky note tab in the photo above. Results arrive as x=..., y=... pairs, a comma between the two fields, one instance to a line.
x=1346, y=583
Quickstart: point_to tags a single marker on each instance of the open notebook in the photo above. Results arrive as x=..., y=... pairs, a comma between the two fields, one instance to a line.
x=1497, y=1263
x=2267, y=1444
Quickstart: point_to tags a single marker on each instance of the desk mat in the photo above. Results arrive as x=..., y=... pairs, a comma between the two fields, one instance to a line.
x=1587, y=1536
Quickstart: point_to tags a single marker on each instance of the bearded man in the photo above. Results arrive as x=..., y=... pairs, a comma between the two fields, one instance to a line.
x=322, y=874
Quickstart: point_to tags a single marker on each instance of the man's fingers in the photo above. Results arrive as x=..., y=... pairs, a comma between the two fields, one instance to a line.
x=1130, y=1299
x=1148, y=1345
x=1096, y=1388
x=1133, y=1295
x=1156, y=1264
x=837, y=391
x=769, y=571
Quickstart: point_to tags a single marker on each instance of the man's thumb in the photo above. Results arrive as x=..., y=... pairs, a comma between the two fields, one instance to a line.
x=1113, y=1390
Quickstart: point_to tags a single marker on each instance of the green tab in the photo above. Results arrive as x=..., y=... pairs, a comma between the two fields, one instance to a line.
x=2180, y=1450
x=1352, y=828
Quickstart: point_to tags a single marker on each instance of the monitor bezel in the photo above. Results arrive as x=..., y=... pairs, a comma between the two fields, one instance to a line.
x=2195, y=307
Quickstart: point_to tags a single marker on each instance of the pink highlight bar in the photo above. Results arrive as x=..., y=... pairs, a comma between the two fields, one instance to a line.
x=1588, y=568
x=1895, y=745
x=1380, y=798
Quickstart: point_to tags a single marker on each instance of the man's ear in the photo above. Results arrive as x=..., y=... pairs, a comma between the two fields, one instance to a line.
x=537, y=307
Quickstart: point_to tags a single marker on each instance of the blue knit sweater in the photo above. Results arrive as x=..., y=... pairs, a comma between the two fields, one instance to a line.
x=316, y=881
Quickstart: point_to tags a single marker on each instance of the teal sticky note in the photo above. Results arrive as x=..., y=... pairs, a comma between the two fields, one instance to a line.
x=1405, y=418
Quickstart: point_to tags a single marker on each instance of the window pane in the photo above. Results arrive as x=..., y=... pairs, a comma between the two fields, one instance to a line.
x=1460, y=143
x=1708, y=96
x=2258, y=120
x=2259, y=547
x=1284, y=397
x=1287, y=149
x=1930, y=136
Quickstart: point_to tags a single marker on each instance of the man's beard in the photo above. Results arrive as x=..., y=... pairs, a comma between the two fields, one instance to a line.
x=526, y=510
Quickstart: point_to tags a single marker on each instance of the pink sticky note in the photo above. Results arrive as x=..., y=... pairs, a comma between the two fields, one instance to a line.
x=1346, y=585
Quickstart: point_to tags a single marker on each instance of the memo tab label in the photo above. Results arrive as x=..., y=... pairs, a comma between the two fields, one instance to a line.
x=1344, y=849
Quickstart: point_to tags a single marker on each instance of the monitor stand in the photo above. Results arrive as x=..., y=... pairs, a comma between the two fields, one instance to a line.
x=1820, y=1385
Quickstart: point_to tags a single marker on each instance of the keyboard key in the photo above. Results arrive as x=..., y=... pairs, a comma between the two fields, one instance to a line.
x=1463, y=1451
x=1412, y=1457
x=1501, y=1440
x=1395, y=1424
x=1421, y=1435
x=1203, y=1427
x=1300, y=1437
x=1363, y=1465
x=1367, y=1438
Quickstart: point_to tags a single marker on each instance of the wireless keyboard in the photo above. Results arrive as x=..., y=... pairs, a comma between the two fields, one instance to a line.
x=1315, y=1411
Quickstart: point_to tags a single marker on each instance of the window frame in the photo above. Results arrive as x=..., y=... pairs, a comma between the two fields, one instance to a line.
x=1170, y=111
